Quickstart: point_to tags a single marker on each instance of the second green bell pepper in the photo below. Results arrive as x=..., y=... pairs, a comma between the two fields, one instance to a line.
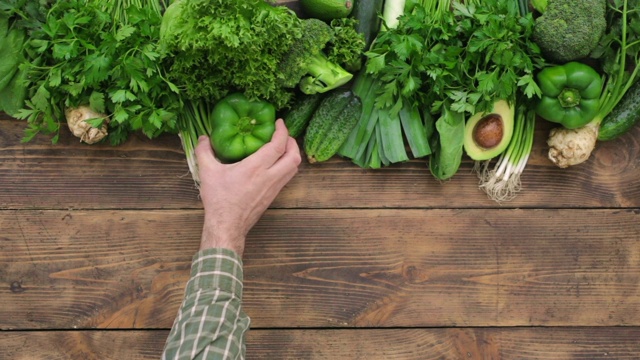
x=570, y=94
x=239, y=126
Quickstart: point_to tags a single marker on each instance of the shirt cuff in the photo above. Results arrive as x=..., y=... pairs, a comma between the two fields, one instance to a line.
x=216, y=268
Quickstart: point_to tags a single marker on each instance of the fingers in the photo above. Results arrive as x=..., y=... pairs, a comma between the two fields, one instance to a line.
x=268, y=154
x=287, y=165
x=204, y=153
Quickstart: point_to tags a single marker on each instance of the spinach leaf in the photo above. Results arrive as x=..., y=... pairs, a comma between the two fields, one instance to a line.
x=11, y=46
x=446, y=159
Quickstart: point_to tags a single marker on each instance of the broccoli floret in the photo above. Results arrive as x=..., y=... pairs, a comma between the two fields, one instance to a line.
x=570, y=29
x=307, y=65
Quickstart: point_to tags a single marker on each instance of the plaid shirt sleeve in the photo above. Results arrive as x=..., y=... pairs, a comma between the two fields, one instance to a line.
x=210, y=323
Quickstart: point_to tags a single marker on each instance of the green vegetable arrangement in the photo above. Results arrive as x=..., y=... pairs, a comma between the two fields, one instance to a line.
x=265, y=51
x=439, y=78
x=439, y=65
x=618, y=52
x=114, y=67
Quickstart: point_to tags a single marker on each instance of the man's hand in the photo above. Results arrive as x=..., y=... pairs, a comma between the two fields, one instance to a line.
x=236, y=195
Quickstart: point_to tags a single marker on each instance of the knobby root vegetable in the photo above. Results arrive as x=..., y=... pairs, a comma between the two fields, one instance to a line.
x=568, y=147
x=77, y=121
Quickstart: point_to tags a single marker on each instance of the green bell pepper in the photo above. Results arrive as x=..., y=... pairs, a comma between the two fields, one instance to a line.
x=570, y=94
x=239, y=126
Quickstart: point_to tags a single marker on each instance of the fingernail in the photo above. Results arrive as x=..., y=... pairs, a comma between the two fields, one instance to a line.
x=202, y=138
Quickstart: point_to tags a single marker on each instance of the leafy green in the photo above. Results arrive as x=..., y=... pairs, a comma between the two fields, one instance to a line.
x=222, y=46
x=347, y=45
x=471, y=56
x=11, y=44
x=448, y=144
x=80, y=55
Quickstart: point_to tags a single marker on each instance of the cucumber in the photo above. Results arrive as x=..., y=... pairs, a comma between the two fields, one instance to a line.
x=623, y=117
x=339, y=131
x=300, y=114
x=366, y=12
x=330, y=125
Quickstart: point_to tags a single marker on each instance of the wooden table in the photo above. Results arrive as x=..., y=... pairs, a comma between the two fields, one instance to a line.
x=96, y=242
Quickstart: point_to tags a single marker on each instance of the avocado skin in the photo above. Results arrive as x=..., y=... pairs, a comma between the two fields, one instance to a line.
x=505, y=111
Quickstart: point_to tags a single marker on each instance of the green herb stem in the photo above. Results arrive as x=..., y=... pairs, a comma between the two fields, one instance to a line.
x=615, y=86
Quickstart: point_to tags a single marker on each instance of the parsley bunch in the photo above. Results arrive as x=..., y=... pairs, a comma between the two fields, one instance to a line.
x=467, y=57
x=80, y=55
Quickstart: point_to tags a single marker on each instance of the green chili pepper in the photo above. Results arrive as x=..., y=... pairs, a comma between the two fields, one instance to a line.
x=570, y=94
x=240, y=126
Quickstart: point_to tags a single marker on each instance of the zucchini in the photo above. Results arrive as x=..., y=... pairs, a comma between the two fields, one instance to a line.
x=367, y=13
x=300, y=114
x=623, y=117
x=331, y=124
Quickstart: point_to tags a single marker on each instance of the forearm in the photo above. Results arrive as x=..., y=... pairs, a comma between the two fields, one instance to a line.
x=210, y=323
x=214, y=235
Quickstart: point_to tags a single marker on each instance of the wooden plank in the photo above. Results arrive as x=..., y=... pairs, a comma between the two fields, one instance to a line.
x=153, y=174
x=329, y=268
x=462, y=343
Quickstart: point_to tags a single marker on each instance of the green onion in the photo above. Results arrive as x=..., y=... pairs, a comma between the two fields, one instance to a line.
x=502, y=182
x=193, y=123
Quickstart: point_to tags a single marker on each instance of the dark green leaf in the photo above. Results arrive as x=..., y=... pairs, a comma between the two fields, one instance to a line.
x=96, y=101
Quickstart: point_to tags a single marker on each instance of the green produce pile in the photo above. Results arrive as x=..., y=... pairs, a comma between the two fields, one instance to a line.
x=377, y=82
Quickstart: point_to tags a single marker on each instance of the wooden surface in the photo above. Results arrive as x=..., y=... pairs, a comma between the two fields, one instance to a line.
x=96, y=242
x=348, y=263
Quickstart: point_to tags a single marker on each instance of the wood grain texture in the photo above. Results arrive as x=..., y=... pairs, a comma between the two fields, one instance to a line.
x=96, y=242
x=423, y=344
x=153, y=174
x=329, y=268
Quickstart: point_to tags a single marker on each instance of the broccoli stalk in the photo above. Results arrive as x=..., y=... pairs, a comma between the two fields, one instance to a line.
x=307, y=66
x=323, y=75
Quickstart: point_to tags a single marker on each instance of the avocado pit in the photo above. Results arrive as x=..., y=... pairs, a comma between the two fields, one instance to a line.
x=489, y=131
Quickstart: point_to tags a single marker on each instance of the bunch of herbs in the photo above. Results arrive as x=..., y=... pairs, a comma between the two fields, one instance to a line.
x=80, y=55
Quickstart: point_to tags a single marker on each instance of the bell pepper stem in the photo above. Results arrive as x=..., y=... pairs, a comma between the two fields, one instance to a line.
x=569, y=97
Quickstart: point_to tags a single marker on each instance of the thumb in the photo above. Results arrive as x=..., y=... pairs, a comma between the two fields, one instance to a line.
x=204, y=153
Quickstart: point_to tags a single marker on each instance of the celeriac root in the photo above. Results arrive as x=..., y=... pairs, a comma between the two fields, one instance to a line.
x=79, y=127
x=568, y=147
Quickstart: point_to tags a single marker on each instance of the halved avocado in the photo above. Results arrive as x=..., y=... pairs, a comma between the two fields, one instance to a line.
x=487, y=135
